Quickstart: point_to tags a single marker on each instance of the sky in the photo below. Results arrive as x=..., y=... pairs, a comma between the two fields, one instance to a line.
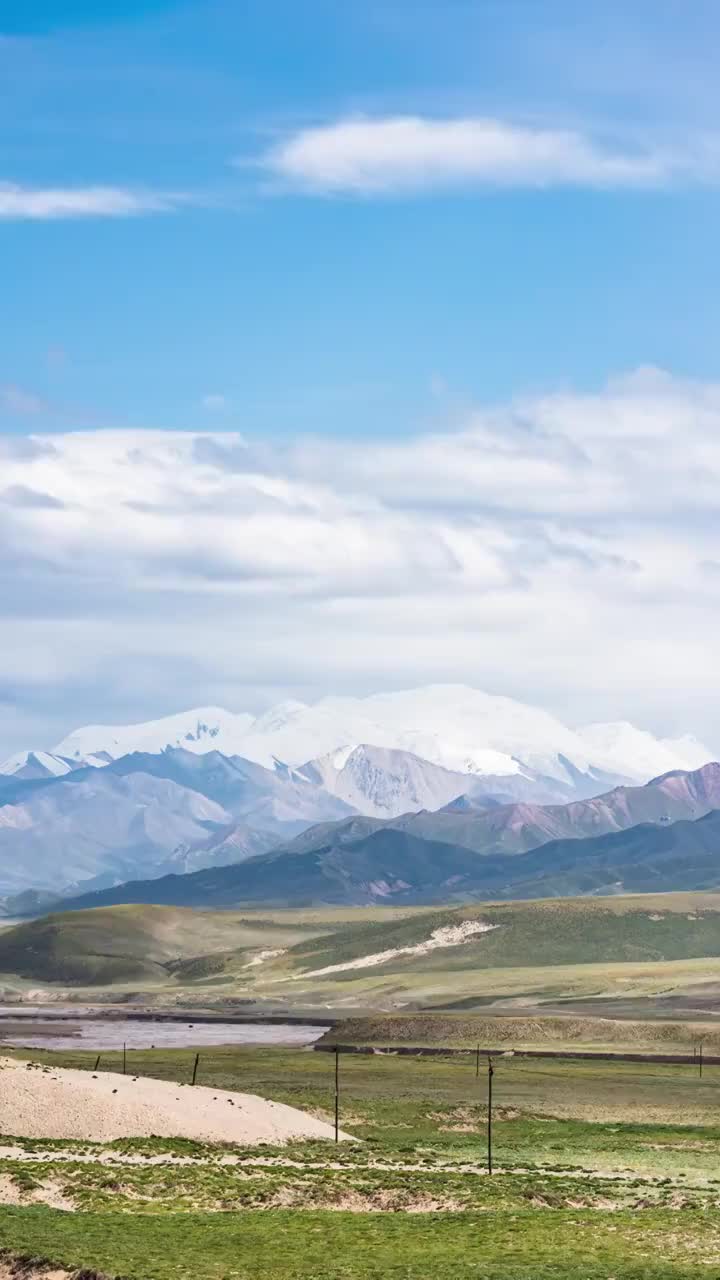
x=352, y=347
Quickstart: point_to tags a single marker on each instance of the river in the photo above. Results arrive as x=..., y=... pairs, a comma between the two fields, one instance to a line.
x=44, y=1028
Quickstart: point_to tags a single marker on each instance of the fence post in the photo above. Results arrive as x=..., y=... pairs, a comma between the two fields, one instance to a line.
x=124, y=1058
x=97, y=1062
x=489, y=1115
x=195, y=1067
x=700, y=1058
x=337, y=1093
x=477, y=1062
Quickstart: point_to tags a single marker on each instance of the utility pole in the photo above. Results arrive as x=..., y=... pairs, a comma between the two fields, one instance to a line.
x=337, y=1093
x=489, y=1115
x=195, y=1067
x=477, y=1062
x=124, y=1058
x=700, y=1058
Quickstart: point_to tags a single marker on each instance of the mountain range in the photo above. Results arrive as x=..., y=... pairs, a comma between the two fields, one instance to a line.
x=147, y=815
x=665, y=835
x=345, y=778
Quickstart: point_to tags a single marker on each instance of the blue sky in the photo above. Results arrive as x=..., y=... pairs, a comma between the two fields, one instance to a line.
x=443, y=276
x=333, y=311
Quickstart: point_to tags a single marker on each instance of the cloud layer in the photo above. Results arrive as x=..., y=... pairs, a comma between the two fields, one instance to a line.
x=388, y=155
x=562, y=549
x=404, y=153
x=43, y=204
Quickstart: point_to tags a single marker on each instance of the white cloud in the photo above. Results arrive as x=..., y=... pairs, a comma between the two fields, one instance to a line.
x=47, y=203
x=562, y=549
x=404, y=153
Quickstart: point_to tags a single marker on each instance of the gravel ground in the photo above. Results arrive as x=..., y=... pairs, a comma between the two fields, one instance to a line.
x=44, y=1102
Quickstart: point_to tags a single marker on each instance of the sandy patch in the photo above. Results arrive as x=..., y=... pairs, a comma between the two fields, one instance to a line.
x=450, y=935
x=48, y=1193
x=43, y=1102
x=21, y=1271
x=262, y=956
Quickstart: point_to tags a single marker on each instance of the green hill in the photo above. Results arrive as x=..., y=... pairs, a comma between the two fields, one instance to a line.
x=129, y=943
x=662, y=927
x=171, y=948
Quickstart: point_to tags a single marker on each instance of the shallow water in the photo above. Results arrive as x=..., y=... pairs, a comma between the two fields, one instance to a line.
x=97, y=1034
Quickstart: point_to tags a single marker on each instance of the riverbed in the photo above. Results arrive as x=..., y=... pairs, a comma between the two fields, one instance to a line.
x=41, y=1029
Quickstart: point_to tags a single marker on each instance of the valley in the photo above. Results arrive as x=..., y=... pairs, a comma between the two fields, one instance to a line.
x=606, y=959
x=214, y=922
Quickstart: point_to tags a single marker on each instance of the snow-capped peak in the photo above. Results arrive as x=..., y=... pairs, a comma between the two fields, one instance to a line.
x=384, y=782
x=621, y=748
x=43, y=761
x=200, y=730
x=44, y=764
x=454, y=727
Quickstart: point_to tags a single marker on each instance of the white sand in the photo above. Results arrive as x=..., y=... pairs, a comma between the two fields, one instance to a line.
x=450, y=935
x=42, y=1102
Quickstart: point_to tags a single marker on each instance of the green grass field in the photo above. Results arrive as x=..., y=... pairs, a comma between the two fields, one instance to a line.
x=624, y=948
x=601, y=1170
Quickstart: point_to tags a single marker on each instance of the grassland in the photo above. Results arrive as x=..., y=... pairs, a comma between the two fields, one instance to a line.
x=541, y=1031
x=601, y=1169
x=586, y=949
x=582, y=1189
x=147, y=944
x=287, y=1245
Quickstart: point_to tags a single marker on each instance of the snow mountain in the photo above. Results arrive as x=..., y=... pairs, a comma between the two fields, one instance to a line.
x=636, y=753
x=35, y=765
x=459, y=729
x=383, y=782
x=200, y=730
x=209, y=786
x=663, y=836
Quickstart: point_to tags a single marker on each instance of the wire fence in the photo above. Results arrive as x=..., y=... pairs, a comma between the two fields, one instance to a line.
x=482, y=1061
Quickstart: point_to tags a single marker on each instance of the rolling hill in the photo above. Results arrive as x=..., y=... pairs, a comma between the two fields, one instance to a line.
x=437, y=956
x=648, y=927
x=129, y=944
